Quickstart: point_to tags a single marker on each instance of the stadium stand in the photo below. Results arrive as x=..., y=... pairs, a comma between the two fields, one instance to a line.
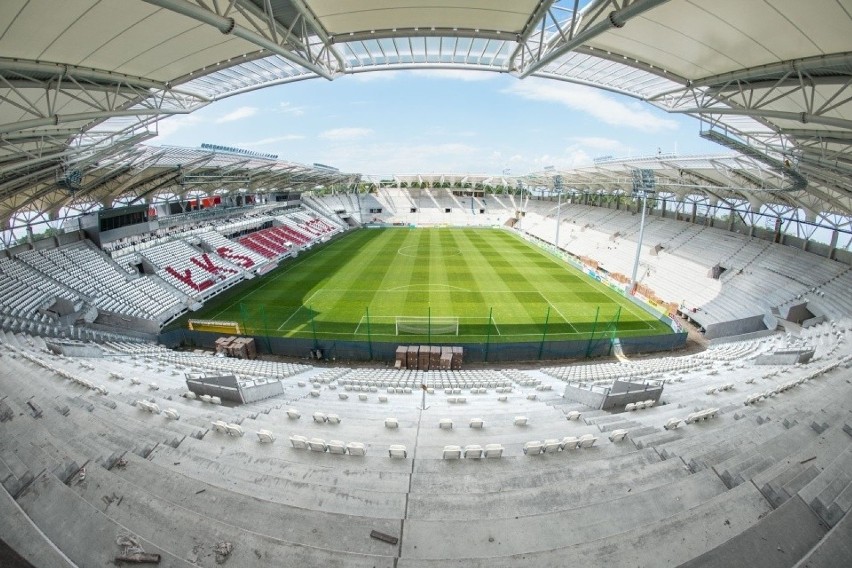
x=768, y=475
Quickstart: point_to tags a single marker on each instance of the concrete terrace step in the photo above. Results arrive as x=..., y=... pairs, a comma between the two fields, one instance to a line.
x=445, y=477
x=251, y=523
x=720, y=518
x=90, y=540
x=538, y=532
x=755, y=456
x=330, y=499
x=834, y=550
x=525, y=500
x=821, y=492
x=778, y=540
x=20, y=534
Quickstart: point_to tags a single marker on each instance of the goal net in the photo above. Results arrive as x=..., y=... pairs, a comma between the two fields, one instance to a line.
x=420, y=325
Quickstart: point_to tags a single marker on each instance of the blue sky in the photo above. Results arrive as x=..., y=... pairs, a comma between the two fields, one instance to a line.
x=437, y=121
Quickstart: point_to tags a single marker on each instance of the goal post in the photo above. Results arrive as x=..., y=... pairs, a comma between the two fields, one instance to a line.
x=422, y=325
x=217, y=326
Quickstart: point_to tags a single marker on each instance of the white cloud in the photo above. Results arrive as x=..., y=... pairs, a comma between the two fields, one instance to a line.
x=237, y=114
x=350, y=133
x=168, y=126
x=271, y=140
x=599, y=143
x=592, y=101
x=287, y=107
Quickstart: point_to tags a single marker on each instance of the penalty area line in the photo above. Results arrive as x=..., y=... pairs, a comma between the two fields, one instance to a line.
x=296, y=311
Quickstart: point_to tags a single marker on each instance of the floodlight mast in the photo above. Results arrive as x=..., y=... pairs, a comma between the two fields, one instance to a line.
x=643, y=186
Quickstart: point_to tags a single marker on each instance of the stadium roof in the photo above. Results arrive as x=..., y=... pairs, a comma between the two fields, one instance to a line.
x=83, y=82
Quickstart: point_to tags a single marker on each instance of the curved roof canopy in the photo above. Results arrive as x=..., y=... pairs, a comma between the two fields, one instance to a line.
x=83, y=82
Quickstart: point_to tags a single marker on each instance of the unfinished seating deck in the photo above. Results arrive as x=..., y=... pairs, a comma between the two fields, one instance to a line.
x=265, y=436
x=452, y=452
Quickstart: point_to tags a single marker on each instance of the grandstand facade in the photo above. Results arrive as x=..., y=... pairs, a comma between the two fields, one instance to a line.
x=737, y=450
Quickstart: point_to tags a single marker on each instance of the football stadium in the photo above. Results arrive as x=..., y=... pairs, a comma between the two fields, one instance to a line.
x=216, y=355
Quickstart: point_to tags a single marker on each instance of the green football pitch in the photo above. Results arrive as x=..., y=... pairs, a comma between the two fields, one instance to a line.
x=440, y=284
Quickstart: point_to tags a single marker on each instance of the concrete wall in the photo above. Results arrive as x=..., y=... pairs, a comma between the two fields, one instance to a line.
x=624, y=393
x=735, y=327
x=473, y=352
x=591, y=398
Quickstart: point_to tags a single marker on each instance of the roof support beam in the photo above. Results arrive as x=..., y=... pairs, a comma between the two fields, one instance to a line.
x=615, y=19
x=56, y=119
x=836, y=60
x=228, y=26
x=802, y=117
